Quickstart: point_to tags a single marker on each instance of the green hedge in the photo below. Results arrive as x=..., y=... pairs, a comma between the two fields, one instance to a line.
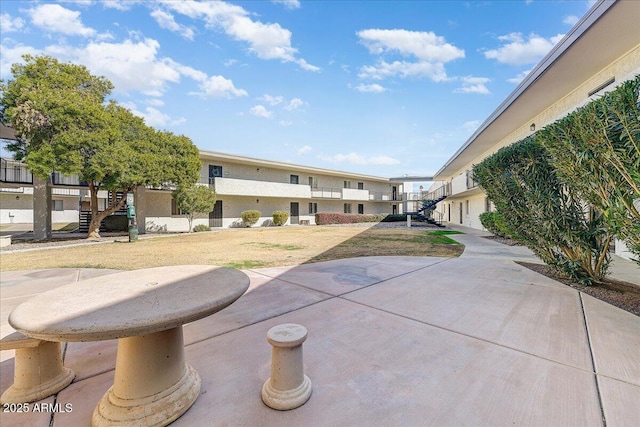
x=495, y=224
x=326, y=218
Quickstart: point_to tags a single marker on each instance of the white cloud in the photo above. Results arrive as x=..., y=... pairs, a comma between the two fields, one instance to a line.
x=471, y=125
x=289, y=4
x=294, y=104
x=122, y=5
x=166, y=20
x=131, y=66
x=260, y=111
x=9, y=24
x=425, y=46
x=57, y=19
x=155, y=102
x=424, y=54
x=358, y=159
x=219, y=87
x=304, y=149
x=373, y=88
x=518, y=50
x=520, y=77
x=285, y=123
x=472, y=84
x=135, y=67
x=12, y=54
x=383, y=70
x=272, y=100
x=571, y=20
x=266, y=41
x=152, y=116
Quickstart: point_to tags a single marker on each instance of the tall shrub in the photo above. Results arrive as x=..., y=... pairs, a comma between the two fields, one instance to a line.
x=543, y=213
x=596, y=149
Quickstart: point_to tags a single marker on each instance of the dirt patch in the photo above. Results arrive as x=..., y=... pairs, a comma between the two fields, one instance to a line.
x=618, y=293
x=504, y=240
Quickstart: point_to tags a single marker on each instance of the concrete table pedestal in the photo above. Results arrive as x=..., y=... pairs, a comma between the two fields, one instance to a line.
x=288, y=387
x=145, y=310
x=38, y=370
x=153, y=384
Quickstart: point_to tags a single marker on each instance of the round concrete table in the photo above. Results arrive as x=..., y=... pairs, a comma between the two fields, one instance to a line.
x=145, y=311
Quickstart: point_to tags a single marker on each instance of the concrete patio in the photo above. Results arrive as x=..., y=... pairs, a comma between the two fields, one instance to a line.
x=393, y=341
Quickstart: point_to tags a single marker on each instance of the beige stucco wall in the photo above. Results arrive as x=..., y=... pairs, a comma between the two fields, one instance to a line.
x=624, y=68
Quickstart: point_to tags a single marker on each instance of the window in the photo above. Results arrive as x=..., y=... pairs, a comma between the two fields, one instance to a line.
x=313, y=208
x=487, y=204
x=294, y=179
x=360, y=208
x=313, y=182
x=174, y=208
x=467, y=207
x=214, y=171
x=57, y=205
x=347, y=207
x=347, y=184
x=361, y=186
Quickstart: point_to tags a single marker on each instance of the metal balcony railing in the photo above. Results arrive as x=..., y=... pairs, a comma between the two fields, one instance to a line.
x=15, y=172
x=471, y=183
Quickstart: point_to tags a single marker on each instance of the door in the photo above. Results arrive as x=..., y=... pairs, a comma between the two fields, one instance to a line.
x=215, y=216
x=295, y=213
x=394, y=193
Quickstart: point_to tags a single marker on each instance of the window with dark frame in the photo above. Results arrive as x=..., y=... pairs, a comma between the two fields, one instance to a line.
x=294, y=179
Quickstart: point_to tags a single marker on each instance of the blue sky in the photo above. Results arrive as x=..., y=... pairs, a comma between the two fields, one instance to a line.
x=385, y=88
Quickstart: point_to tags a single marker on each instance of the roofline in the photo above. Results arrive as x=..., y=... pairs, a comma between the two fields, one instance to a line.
x=411, y=178
x=592, y=15
x=292, y=166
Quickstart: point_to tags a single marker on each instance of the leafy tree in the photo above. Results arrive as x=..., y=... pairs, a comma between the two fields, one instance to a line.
x=194, y=199
x=63, y=123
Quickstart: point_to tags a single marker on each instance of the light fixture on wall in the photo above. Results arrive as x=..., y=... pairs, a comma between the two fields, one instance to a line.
x=257, y=200
x=17, y=197
x=532, y=127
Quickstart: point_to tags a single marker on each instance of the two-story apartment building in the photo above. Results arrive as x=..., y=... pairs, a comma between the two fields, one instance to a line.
x=243, y=183
x=600, y=52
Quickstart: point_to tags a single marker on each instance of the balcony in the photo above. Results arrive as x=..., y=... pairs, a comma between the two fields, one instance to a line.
x=247, y=187
x=326, y=193
x=72, y=180
x=355, y=194
x=384, y=197
x=14, y=172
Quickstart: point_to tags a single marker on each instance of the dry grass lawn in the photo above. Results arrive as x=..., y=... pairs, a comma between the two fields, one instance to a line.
x=242, y=248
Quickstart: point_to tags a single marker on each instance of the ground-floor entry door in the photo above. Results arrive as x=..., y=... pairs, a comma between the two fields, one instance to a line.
x=215, y=216
x=295, y=213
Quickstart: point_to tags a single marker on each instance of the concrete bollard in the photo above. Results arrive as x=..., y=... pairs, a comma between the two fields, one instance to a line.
x=288, y=387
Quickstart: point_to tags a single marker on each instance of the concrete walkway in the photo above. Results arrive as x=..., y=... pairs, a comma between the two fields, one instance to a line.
x=393, y=341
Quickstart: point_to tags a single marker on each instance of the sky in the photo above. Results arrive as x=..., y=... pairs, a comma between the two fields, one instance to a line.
x=384, y=88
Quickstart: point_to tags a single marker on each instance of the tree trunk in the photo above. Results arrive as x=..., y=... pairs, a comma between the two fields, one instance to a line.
x=97, y=217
